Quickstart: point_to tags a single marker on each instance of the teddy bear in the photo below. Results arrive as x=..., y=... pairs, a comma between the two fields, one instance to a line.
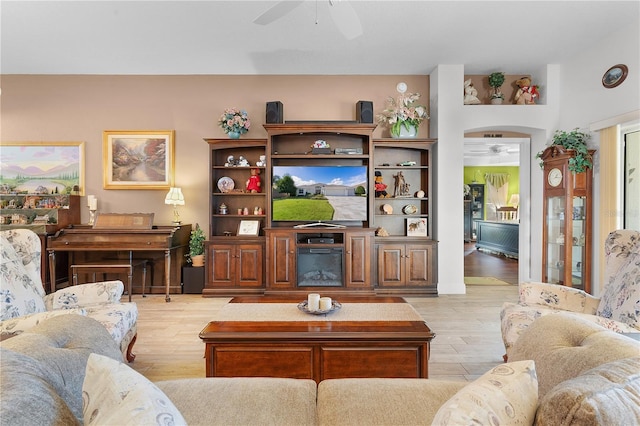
x=380, y=188
x=527, y=92
x=253, y=183
x=470, y=94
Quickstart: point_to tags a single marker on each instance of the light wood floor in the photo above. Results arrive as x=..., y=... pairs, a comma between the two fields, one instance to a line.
x=467, y=327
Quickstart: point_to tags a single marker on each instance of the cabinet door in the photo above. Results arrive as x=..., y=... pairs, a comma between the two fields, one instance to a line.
x=221, y=265
x=249, y=265
x=358, y=261
x=282, y=260
x=391, y=265
x=419, y=259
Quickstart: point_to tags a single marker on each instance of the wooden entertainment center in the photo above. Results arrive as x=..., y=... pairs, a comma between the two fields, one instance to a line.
x=343, y=255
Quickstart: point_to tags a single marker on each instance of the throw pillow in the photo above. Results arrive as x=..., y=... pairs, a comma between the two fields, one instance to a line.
x=620, y=300
x=19, y=295
x=505, y=395
x=605, y=395
x=115, y=394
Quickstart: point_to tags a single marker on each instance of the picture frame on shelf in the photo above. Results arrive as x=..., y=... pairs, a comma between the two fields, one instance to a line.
x=138, y=159
x=249, y=227
x=416, y=227
x=38, y=159
x=614, y=76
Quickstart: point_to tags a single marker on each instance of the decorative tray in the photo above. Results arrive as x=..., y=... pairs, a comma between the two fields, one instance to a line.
x=303, y=306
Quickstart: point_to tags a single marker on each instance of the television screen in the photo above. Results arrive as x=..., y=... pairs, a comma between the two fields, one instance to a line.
x=319, y=193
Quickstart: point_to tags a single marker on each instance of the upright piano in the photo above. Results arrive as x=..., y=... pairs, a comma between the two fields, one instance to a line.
x=167, y=244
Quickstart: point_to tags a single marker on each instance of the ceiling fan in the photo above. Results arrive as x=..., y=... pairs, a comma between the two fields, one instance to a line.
x=496, y=149
x=341, y=11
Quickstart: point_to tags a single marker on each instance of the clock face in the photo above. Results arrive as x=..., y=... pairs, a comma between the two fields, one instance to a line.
x=554, y=177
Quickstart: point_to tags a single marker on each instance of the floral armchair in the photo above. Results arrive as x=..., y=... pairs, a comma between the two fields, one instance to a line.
x=23, y=303
x=618, y=308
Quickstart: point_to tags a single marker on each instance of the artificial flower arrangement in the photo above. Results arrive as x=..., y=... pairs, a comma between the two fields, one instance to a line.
x=234, y=120
x=402, y=111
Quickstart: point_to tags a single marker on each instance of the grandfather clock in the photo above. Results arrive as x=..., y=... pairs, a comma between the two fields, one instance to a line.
x=567, y=211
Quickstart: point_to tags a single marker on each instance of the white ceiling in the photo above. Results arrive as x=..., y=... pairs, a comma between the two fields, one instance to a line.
x=219, y=37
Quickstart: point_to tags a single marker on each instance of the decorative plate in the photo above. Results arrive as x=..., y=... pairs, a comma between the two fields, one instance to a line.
x=387, y=209
x=409, y=209
x=303, y=306
x=226, y=184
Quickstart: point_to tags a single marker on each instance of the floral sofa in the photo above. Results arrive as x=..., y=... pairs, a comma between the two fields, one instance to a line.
x=618, y=308
x=24, y=303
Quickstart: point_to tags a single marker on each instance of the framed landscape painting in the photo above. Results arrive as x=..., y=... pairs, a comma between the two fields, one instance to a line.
x=42, y=167
x=138, y=159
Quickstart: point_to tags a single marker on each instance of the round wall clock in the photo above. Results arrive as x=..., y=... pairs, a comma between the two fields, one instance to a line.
x=615, y=76
x=554, y=177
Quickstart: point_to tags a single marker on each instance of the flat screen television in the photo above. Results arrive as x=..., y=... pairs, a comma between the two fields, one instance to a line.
x=319, y=193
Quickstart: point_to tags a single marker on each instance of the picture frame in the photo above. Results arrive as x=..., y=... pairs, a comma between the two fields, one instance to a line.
x=64, y=160
x=138, y=159
x=614, y=76
x=417, y=227
x=249, y=227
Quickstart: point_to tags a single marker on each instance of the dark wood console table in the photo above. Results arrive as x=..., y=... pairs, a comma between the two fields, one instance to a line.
x=173, y=241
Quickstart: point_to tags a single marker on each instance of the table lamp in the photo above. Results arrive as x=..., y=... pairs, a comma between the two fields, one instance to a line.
x=174, y=197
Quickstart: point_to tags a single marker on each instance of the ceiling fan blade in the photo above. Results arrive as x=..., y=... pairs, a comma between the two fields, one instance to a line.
x=345, y=18
x=277, y=11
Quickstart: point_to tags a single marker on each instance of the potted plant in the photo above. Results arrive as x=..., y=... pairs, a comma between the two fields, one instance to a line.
x=196, y=247
x=496, y=80
x=576, y=141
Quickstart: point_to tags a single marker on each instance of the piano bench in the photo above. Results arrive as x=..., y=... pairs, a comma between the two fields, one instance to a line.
x=114, y=266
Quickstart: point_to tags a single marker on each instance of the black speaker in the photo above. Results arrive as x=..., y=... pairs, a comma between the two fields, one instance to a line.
x=364, y=112
x=275, y=112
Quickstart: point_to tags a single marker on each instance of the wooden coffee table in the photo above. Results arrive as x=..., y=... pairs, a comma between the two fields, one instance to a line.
x=388, y=339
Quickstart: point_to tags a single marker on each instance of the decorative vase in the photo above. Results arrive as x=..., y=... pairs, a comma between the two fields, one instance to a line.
x=234, y=135
x=496, y=101
x=197, y=261
x=403, y=132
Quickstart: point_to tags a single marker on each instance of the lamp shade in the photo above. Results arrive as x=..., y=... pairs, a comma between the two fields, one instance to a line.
x=174, y=197
x=514, y=200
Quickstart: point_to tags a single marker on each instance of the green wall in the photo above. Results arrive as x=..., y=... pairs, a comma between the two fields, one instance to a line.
x=478, y=172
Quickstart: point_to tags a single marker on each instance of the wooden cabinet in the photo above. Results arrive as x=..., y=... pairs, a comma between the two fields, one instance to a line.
x=234, y=266
x=317, y=209
x=406, y=257
x=327, y=260
x=229, y=199
x=281, y=259
x=567, y=224
x=407, y=267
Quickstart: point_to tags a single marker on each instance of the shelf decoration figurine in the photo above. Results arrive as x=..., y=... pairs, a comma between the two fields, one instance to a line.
x=527, y=92
x=402, y=115
x=496, y=80
x=234, y=122
x=470, y=94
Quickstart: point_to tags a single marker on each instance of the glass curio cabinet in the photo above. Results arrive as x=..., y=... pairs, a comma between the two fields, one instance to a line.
x=567, y=225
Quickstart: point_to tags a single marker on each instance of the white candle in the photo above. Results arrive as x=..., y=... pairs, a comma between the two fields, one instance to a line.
x=89, y=198
x=93, y=204
x=313, y=302
x=325, y=303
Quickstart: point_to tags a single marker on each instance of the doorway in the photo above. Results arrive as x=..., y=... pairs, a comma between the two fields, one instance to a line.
x=488, y=155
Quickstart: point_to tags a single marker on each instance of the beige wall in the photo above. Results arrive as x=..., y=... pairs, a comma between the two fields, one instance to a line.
x=78, y=108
